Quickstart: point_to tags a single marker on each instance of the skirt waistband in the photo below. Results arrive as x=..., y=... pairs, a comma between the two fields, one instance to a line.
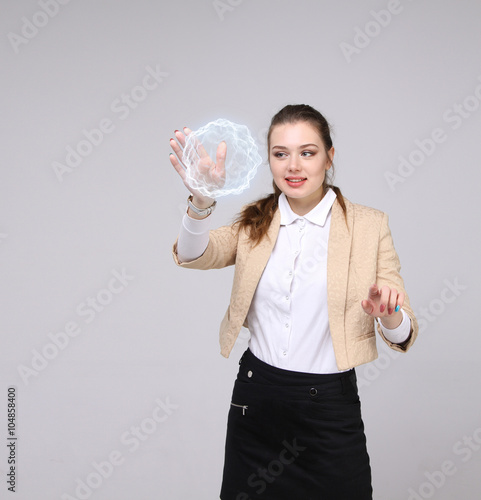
x=252, y=369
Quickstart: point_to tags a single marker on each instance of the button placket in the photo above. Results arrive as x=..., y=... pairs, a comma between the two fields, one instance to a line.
x=295, y=233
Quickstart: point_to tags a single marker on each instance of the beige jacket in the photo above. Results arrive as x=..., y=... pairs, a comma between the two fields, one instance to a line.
x=360, y=253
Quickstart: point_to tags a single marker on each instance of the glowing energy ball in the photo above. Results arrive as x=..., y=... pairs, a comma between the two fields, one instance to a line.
x=242, y=157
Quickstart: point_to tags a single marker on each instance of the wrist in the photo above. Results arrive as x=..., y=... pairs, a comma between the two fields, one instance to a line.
x=200, y=212
x=202, y=202
x=392, y=321
x=193, y=215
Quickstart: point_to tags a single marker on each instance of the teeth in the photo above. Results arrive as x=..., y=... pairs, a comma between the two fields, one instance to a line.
x=295, y=180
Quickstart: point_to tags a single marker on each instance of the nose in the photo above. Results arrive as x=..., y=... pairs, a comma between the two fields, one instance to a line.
x=294, y=165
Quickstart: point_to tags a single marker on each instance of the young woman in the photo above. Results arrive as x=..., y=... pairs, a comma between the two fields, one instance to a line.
x=314, y=273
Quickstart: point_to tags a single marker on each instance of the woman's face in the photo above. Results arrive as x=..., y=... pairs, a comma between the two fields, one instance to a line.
x=298, y=163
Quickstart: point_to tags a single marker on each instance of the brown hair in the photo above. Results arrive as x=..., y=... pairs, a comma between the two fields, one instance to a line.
x=257, y=217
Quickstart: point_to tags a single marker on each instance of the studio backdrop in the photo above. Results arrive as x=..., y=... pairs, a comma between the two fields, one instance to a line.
x=112, y=383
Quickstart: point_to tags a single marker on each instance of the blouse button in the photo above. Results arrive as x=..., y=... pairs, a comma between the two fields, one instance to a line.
x=313, y=391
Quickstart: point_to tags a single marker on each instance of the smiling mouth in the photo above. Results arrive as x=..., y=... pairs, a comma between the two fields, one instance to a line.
x=295, y=179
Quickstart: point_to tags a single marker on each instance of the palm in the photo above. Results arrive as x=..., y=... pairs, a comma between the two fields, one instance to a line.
x=207, y=172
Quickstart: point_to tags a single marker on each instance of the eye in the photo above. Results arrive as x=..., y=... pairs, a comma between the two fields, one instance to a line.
x=279, y=155
x=307, y=153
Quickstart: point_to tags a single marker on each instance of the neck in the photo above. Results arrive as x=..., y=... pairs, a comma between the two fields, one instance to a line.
x=302, y=206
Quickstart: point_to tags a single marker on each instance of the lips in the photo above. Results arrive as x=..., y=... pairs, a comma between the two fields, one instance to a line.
x=295, y=181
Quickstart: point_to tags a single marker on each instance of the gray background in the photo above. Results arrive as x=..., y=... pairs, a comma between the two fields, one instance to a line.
x=156, y=337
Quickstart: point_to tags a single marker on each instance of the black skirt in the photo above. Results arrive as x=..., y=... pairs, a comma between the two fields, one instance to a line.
x=294, y=436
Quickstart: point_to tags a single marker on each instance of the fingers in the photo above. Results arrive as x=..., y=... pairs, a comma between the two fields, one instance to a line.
x=373, y=291
x=178, y=150
x=400, y=301
x=368, y=306
x=220, y=159
x=181, y=136
x=201, y=150
x=175, y=146
x=198, y=146
x=385, y=293
x=390, y=301
x=176, y=159
x=203, y=170
x=382, y=301
x=221, y=153
x=177, y=165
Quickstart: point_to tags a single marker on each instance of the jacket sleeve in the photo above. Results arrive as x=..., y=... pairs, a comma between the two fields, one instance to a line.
x=220, y=252
x=388, y=273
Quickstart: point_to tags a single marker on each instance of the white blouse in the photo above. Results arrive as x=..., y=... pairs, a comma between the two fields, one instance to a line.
x=288, y=318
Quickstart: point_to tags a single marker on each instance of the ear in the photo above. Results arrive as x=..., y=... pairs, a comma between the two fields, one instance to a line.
x=330, y=154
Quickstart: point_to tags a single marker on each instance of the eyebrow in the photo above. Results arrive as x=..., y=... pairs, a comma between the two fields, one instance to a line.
x=300, y=147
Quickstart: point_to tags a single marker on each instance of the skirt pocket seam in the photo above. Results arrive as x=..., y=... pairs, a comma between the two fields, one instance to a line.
x=244, y=407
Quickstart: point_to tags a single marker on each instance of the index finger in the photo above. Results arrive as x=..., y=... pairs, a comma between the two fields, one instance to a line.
x=221, y=155
x=373, y=291
x=199, y=148
x=181, y=136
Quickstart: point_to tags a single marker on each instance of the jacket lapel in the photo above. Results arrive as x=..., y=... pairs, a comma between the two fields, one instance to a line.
x=338, y=253
x=254, y=264
x=259, y=255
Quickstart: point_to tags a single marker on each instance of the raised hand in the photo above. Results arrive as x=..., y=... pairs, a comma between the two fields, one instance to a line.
x=208, y=171
x=384, y=303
